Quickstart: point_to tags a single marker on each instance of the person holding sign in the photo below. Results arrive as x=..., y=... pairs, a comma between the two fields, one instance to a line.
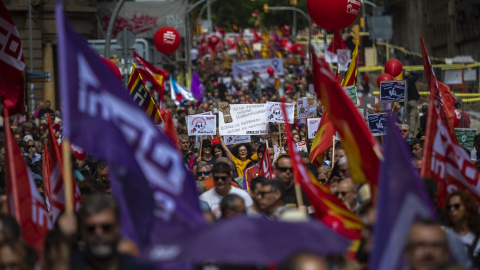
x=205, y=155
x=241, y=155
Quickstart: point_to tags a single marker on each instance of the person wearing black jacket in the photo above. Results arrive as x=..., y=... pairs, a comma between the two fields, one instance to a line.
x=412, y=105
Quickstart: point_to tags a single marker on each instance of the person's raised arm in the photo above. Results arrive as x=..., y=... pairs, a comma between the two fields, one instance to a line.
x=224, y=146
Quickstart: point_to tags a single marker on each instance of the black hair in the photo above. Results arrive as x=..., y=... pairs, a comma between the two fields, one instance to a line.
x=222, y=167
x=280, y=158
x=218, y=146
x=235, y=150
x=257, y=180
x=312, y=168
x=228, y=202
x=90, y=186
x=9, y=227
x=97, y=203
x=260, y=149
x=276, y=185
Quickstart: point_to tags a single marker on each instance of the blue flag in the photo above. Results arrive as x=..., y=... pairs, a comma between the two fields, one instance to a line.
x=401, y=200
x=157, y=196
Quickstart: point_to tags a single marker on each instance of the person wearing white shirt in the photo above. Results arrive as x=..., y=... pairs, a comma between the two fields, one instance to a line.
x=222, y=177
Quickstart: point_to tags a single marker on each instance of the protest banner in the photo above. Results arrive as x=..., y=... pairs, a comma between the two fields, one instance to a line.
x=352, y=93
x=312, y=125
x=343, y=58
x=242, y=119
x=234, y=139
x=392, y=91
x=275, y=114
x=465, y=137
x=306, y=107
x=377, y=123
x=260, y=66
x=302, y=146
x=202, y=125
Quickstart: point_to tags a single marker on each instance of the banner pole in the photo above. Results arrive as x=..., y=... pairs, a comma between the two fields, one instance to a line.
x=299, y=197
x=280, y=136
x=201, y=146
x=333, y=151
x=67, y=175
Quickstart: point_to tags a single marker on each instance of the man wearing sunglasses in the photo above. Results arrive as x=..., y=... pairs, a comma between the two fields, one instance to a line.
x=29, y=149
x=101, y=232
x=270, y=197
x=222, y=177
x=284, y=173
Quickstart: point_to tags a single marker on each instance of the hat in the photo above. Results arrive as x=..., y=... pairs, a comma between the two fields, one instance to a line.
x=289, y=87
x=27, y=138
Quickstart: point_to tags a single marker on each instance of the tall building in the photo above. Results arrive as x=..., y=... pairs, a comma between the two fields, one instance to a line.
x=450, y=27
x=81, y=13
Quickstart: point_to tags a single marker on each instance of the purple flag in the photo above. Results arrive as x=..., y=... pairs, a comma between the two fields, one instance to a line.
x=157, y=196
x=401, y=200
x=197, y=87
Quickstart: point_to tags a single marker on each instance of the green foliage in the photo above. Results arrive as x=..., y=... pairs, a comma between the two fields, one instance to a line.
x=225, y=13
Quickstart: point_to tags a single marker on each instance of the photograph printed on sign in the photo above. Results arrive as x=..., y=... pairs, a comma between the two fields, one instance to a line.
x=392, y=91
x=312, y=125
x=202, y=125
x=242, y=119
x=275, y=112
x=377, y=123
x=306, y=107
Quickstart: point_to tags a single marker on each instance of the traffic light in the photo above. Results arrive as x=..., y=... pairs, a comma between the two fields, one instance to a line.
x=265, y=8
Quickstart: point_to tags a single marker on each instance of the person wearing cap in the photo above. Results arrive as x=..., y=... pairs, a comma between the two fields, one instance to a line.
x=29, y=149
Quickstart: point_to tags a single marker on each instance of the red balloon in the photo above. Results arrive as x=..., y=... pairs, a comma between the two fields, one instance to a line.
x=393, y=67
x=270, y=71
x=384, y=77
x=114, y=68
x=166, y=40
x=333, y=15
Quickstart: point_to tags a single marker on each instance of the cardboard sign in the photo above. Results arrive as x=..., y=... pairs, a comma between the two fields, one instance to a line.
x=351, y=92
x=234, y=139
x=312, y=125
x=302, y=146
x=392, y=91
x=275, y=112
x=242, y=119
x=202, y=125
x=377, y=123
x=306, y=107
x=465, y=136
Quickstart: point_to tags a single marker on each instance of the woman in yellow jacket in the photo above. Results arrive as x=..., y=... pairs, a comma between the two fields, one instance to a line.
x=241, y=155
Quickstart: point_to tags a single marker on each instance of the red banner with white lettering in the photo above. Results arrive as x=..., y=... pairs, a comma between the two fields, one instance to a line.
x=12, y=65
x=25, y=202
x=444, y=159
x=266, y=167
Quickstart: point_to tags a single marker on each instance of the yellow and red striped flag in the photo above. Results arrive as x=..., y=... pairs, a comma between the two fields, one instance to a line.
x=358, y=142
x=141, y=95
x=328, y=208
x=350, y=77
x=323, y=140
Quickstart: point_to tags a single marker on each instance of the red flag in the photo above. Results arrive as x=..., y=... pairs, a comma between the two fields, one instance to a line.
x=444, y=160
x=328, y=208
x=220, y=30
x=12, y=65
x=266, y=167
x=170, y=129
x=25, y=203
x=337, y=43
x=439, y=91
x=46, y=176
x=56, y=177
x=323, y=140
x=150, y=74
x=358, y=142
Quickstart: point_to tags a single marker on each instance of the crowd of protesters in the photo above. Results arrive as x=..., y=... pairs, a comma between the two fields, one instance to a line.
x=228, y=183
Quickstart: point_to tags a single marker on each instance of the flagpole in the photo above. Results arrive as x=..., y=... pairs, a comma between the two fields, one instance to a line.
x=201, y=146
x=67, y=175
x=280, y=136
x=333, y=151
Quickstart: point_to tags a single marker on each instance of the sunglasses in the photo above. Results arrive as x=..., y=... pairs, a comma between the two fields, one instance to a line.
x=30, y=146
x=455, y=206
x=262, y=194
x=106, y=227
x=223, y=178
x=343, y=193
x=323, y=180
x=404, y=130
x=203, y=173
x=284, y=169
